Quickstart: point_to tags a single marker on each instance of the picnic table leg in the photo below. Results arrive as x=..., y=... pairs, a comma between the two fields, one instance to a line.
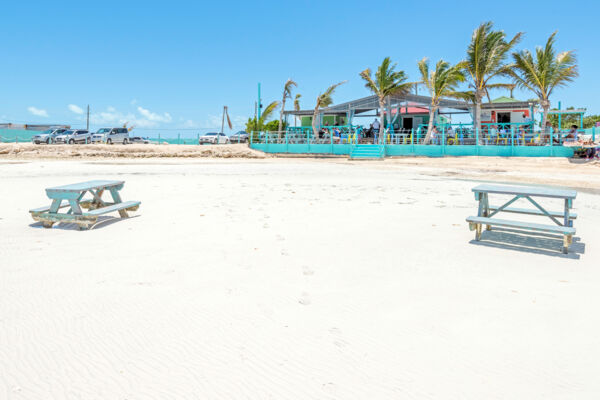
x=54, y=207
x=117, y=198
x=568, y=221
x=487, y=211
x=567, y=240
x=478, y=232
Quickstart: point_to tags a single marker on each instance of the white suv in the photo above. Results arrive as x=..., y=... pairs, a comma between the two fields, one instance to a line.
x=73, y=136
x=116, y=135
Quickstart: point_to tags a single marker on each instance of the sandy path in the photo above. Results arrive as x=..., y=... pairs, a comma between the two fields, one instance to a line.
x=289, y=279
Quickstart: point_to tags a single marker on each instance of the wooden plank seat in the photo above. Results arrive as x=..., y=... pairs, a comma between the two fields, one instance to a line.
x=84, y=220
x=46, y=209
x=126, y=205
x=475, y=223
x=530, y=211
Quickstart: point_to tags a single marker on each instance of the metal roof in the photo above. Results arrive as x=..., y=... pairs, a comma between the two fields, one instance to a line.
x=371, y=103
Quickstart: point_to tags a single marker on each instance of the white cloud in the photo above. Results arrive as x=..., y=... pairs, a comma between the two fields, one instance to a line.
x=112, y=117
x=189, y=124
x=37, y=111
x=75, y=109
x=166, y=117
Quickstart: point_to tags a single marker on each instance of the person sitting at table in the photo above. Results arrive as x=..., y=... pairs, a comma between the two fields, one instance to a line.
x=572, y=135
x=434, y=135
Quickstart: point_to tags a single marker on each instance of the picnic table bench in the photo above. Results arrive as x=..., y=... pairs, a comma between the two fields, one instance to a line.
x=72, y=196
x=563, y=219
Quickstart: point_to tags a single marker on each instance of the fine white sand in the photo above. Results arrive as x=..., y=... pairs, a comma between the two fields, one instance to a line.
x=294, y=279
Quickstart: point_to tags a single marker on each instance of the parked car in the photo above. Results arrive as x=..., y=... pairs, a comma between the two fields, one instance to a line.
x=214, y=138
x=139, y=139
x=47, y=136
x=73, y=136
x=100, y=135
x=116, y=135
x=239, y=137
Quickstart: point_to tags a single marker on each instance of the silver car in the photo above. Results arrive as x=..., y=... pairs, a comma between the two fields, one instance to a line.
x=100, y=135
x=117, y=135
x=47, y=136
x=73, y=136
x=139, y=139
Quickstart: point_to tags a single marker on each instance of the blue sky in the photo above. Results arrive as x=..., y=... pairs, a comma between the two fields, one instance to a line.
x=171, y=66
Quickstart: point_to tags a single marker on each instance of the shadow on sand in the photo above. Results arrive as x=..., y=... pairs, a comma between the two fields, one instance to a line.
x=530, y=242
x=103, y=222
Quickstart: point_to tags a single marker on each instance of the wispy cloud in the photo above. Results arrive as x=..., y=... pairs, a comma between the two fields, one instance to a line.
x=144, y=119
x=38, y=112
x=149, y=115
x=75, y=109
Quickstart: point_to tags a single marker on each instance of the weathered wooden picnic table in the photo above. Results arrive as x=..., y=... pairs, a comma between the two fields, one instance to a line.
x=72, y=196
x=563, y=219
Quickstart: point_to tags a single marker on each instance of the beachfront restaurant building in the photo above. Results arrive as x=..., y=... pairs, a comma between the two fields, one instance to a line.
x=507, y=129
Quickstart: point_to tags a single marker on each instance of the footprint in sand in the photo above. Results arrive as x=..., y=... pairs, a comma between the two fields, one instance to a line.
x=304, y=299
x=307, y=271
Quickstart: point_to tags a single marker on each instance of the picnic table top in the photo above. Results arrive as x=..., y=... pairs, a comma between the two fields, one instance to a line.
x=81, y=186
x=526, y=190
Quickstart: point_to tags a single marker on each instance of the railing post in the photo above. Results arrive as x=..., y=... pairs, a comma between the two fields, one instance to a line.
x=286, y=142
x=179, y=137
x=477, y=139
x=198, y=138
x=594, y=133
x=443, y=140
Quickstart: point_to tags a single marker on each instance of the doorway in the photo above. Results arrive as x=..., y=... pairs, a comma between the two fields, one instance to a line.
x=407, y=123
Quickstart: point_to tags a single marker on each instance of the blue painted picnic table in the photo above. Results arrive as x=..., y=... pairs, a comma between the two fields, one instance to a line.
x=72, y=196
x=563, y=219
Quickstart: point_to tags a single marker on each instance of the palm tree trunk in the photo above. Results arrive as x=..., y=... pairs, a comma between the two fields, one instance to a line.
x=314, y=121
x=281, y=116
x=477, y=113
x=545, y=107
x=430, y=125
x=381, y=122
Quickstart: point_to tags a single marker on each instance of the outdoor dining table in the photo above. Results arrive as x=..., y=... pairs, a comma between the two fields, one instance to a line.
x=71, y=196
x=563, y=220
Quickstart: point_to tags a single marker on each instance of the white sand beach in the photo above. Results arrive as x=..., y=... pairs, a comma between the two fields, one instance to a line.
x=284, y=278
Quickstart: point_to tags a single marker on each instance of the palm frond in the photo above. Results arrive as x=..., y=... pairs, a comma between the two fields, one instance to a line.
x=268, y=111
x=544, y=72
x=325, y=99
x=297, y=102
x=288, y=87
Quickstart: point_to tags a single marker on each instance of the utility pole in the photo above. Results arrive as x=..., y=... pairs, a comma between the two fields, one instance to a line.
x=259, y=102
x=87, y=125
x=222, y=123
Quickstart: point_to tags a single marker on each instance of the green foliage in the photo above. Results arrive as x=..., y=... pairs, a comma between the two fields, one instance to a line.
x=486, y=55
x=573, y=119
x=254, y=125
x=443, y=81
x=545, y=72
x=273, y=126
x=387, y=80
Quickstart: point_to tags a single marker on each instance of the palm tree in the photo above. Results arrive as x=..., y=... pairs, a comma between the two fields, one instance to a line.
x=287, y=94
x=297, y=104
x=324, y=100
x=485, y=61
x=387, y=82
x=441, y=82
x=266, y=114
x=544, y=73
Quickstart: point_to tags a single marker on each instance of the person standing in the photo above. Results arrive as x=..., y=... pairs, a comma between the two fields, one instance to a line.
x=376, y=127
